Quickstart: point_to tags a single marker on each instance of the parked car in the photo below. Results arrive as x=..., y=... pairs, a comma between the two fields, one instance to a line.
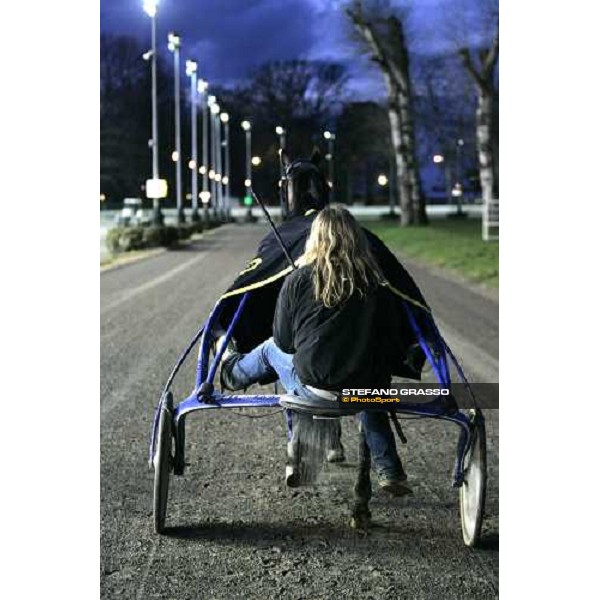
x=131, y=213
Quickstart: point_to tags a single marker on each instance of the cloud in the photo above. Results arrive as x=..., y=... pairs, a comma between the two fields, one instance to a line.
x=228, y=37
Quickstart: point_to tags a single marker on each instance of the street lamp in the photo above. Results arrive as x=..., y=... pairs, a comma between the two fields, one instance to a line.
x=174, y=45
x=382, y=180
x=156, y=189
x=330, y=137
x=205, y=195
x=215, y=109
x=256, y=160
x=280, y=131
x=191, y=70
x=227, y=172
x=459, y=146
x=247, y=127
x=440, y=159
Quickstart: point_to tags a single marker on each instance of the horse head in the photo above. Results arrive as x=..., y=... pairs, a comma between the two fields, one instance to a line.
x=303, y=185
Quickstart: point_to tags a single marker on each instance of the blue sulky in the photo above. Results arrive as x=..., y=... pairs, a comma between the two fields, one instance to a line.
x=169, y=421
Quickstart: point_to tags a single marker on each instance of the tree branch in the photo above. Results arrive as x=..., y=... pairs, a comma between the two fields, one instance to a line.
x=465, y=57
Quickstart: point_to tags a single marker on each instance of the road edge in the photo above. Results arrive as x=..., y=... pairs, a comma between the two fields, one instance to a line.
x=451, y=276
x=124, y=260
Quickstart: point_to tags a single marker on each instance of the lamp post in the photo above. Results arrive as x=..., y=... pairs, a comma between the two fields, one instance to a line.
x=280, y=131
x=174, y=45
x=459, y=186
x=247, y=127
x=191, y=70
x=226, y=171
x=440, y=159
x=205, y=195
x=219, y=154
x=216, y=163
x=330, y=137
x=211, y=158
x=150, y=7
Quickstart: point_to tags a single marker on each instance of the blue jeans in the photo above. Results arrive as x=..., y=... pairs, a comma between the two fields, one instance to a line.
x=268, y=358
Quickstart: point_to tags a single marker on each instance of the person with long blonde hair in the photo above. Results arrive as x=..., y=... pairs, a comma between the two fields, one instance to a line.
x=335, y=327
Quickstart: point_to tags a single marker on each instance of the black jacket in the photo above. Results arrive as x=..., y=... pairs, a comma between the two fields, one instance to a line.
x=352, y=345
x=265, y=274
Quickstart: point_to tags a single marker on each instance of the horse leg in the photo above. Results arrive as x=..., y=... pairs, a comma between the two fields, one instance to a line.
x=361, y=515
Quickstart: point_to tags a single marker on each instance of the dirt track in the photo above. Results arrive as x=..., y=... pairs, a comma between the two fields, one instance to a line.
x=235, y=530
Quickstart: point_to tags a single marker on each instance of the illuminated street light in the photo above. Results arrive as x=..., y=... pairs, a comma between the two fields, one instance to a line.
x=102, y=197
x=211, y=174
x=382, y=180
x=191, y=70
x=459, y=146
x=247, y=127
x=227, y=167
x=191, y=67
x=202, y=88
x=256, y=160
x=439, y=159
x=280, y=131
x=215, y=127
x=150, y=8
x=174, y=45
x=330, y=137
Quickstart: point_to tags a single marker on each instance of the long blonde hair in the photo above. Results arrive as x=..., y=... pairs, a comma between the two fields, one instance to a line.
x=339, y=252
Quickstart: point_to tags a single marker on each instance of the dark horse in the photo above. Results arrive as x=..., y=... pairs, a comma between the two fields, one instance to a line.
x=304, y=191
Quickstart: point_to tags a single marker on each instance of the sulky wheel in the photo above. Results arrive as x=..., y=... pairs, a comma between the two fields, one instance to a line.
x=163, y=463
x=472, y=491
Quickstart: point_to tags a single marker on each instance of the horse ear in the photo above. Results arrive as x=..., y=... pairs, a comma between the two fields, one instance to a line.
x=315, y=157
x=284, y=158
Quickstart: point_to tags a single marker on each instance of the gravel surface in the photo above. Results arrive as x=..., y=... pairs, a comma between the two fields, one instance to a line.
x=234, y=529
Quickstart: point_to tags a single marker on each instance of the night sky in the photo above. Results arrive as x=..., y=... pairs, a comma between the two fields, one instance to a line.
x=230, y=37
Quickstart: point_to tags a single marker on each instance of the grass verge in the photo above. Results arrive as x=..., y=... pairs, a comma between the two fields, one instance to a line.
x=452, y=244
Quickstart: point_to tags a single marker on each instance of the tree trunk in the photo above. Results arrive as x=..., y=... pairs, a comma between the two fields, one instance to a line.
x=419, y=216
x=402, y=178
x=484, y=145
x=388, y=49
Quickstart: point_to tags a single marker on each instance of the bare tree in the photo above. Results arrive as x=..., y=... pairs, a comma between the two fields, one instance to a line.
x=384, y=37
x=302, y=96
x=472, y=30
x=482, y=74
